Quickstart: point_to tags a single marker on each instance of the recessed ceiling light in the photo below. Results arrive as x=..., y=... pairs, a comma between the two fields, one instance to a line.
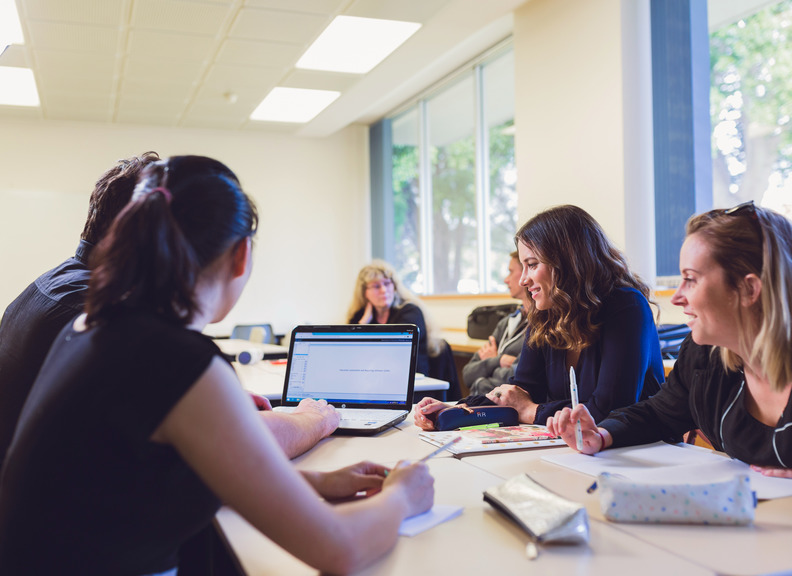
x=293, y=104
x=355, y=45
x=17, y=87
x=10, y=28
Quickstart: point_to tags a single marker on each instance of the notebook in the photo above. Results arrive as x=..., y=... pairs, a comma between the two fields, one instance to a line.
x=367, y=371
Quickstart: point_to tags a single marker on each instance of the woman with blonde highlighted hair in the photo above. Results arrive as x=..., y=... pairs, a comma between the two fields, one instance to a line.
x=733, y=377
x=586, y=311
x=380, y=297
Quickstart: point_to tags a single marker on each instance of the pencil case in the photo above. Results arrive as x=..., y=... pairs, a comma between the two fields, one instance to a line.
x=461, y=416
x=730, y=501
x=546, y=516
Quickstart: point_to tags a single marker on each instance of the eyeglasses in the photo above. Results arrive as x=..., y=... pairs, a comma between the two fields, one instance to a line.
x=744, y=207
x=387, y=284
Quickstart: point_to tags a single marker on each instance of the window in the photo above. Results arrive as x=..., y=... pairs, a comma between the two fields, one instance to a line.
x=454, y=177
x=751, y=106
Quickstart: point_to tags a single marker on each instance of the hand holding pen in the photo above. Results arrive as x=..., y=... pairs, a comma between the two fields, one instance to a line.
x=577, y=428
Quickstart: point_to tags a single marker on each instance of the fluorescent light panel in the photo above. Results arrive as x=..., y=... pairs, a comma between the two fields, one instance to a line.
x=297, y=105
x=10, y=28
x=355, y=45
x=17, y=87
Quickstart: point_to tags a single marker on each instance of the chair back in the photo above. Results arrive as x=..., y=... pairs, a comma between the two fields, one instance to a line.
x=259, y=333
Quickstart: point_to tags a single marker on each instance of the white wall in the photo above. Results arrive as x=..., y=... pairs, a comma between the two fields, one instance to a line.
x=312, y=194
x=583, y=116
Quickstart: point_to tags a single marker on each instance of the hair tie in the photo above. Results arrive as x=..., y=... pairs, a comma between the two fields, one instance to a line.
x=165, y=192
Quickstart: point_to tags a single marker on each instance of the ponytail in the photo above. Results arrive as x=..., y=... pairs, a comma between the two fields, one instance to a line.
x=185, y=212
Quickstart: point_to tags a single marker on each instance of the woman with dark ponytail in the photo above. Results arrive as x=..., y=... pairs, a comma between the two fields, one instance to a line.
x=137, y=429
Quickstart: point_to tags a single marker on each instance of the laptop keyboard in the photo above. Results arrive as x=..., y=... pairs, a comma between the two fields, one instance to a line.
x=361, y=415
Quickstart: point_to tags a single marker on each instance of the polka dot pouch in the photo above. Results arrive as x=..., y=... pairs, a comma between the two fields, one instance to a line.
x=730, y=501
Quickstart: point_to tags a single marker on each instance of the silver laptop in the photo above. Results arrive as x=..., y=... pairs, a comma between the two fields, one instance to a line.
x=366, y=371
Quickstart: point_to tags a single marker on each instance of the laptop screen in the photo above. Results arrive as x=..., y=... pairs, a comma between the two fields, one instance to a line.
x=354, y=366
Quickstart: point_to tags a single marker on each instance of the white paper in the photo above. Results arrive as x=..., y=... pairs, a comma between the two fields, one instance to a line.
x=680, y=464
x=436, y=515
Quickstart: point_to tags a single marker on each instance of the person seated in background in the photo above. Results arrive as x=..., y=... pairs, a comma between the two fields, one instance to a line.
x=37, y=315
x=733, y=377
x=380, y=297
x=137, y=429
x=587, y=311
x=494, y=362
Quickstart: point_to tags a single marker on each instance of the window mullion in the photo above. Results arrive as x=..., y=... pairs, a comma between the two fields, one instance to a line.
x=482, y=182
x=425, y=185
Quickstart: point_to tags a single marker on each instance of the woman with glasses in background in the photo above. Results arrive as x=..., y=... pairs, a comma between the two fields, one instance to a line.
x=733, y=377
x=381, y=298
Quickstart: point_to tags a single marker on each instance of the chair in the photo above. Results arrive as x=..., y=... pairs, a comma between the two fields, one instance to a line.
x=259, y=333
x=443, y=367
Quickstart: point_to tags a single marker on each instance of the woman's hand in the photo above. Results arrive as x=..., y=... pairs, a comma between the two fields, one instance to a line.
x=326, y=414
x=425, y=407
x=368, y=314
x=563, y=424
x=489, y=350
x=417, y=484
x=347, y=482
x=517, y=398
x=774, y=472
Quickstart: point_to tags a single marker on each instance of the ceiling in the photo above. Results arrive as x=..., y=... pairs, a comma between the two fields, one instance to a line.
x=209, y=63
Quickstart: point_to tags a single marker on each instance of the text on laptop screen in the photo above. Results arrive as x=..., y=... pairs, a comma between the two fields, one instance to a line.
x=353, y=368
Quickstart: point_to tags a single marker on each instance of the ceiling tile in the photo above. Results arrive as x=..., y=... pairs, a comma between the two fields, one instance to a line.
x=69, y=106
x=250, y=53
x=163, y=72
x=158, y=45
x=276, y=26
x=320, y=80
x=179, y=16
x=157, y=104
x=309, y=6
x=156, y=90
x=152, y=117
x=389, y=10
x=97, y=12
x=76, y=85
x=241, y=78
x=72, y=37
x=79, y=65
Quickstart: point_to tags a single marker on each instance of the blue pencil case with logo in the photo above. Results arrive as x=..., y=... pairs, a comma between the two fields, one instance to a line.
x=461, y=416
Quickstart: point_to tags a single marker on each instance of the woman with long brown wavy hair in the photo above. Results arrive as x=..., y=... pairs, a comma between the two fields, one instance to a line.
x=588, y=311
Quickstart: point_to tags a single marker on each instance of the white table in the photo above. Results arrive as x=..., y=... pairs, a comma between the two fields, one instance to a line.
x=480, y=541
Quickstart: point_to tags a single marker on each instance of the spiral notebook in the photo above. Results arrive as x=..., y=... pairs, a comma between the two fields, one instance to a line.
x=489, y=440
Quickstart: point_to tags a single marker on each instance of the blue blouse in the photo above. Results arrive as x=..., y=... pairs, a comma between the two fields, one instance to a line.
x=622, y=367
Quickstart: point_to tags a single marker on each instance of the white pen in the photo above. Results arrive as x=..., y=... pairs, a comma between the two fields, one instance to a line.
x=573, y=391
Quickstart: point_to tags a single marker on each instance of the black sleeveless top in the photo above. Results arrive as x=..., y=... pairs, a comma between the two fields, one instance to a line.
x=83, y=489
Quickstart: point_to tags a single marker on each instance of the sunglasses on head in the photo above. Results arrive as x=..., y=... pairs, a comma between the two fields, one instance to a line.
x=744, y=207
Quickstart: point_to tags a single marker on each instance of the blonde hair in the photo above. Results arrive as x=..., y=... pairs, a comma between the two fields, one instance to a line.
x=754, y=240
x=378, y=270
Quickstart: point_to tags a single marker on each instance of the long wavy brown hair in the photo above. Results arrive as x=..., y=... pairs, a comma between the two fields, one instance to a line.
x=586, y=268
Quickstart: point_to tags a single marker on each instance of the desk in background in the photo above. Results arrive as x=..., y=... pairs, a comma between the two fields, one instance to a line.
x=266, y=379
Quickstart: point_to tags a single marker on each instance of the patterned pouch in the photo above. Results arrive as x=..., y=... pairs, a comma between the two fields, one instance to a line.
x=730, y=501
